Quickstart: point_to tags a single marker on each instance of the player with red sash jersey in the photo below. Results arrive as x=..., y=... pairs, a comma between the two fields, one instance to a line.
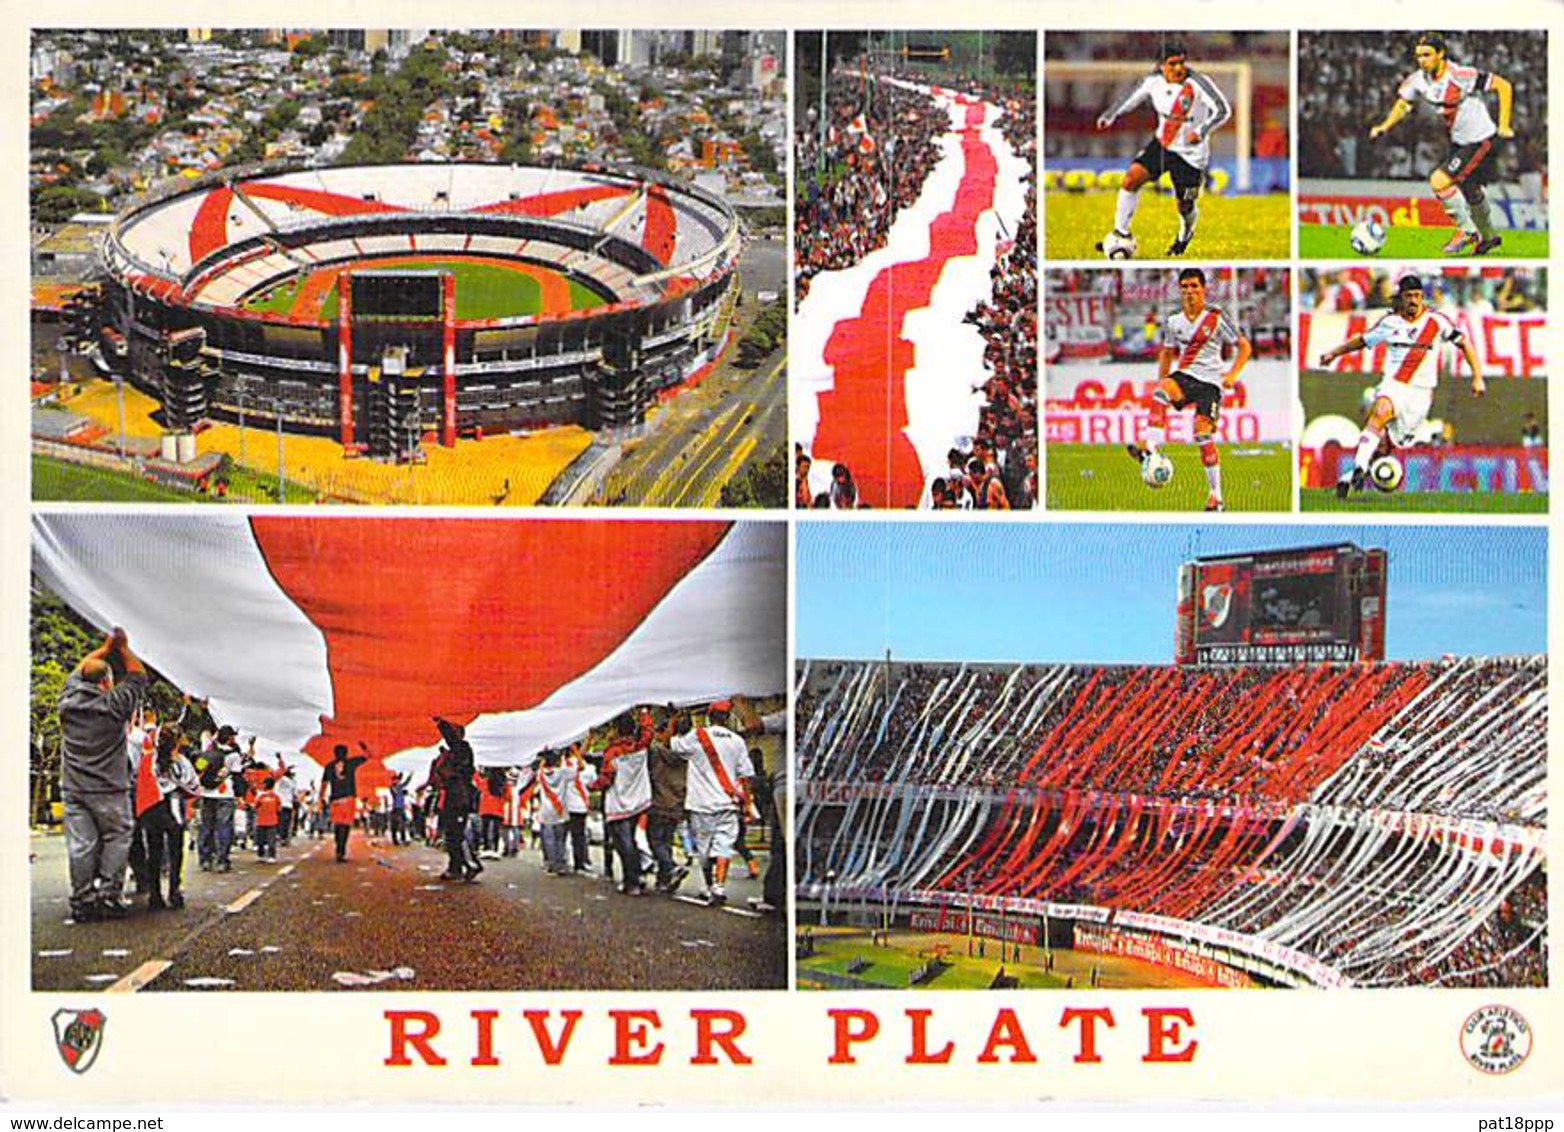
x=1456, y=93
x=1189, y=109
x=1413, y=337
x=1191, y=374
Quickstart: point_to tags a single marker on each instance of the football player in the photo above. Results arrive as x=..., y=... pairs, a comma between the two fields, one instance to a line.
x=1456, y=93
x=1192, y=375
x=1412, y=336
x=1189, y=109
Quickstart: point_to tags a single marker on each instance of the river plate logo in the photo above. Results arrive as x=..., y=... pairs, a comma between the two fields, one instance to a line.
x=1496, y=1039
x=78, y=1035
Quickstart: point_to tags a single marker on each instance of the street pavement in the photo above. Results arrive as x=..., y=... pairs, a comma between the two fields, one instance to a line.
x=383, y=920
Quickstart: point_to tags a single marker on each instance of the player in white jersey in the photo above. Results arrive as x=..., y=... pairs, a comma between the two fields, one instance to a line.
x=1456, y=93
x=1189, y=109
x=1191, y=374
x=1413, y=337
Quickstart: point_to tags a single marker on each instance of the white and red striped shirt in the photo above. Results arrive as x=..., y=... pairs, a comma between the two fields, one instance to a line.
x=705, y=790
x=1187, y=113
x=1199, y=343
x=1457, y=95
x=1412, y=348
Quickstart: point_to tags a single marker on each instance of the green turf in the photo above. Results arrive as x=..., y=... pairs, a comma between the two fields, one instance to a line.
x=1230, y=227
x=60, y=480
x=279, y=300
x=890, y=967
x=55, y=480
x=1424, y=502
x=1319, y=241
x=582, y=298
x=1101, y=477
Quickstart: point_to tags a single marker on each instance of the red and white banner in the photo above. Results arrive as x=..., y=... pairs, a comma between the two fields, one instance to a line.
x=1508, y=345
x=1092, y=403
x=311, y=631
x=884, y=371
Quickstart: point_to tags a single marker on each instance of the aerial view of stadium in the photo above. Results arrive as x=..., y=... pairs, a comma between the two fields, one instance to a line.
x=1262, y=756
x=1424, y=391
x=914, y=362
x=1135, y=118
x=1422, y=144
x=1168, y=389
x=506, y=299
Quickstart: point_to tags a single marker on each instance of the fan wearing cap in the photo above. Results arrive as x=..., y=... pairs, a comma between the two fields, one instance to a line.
x=1189, y=110
x=1456, y=94
x=1414, y=338
x=716, y=791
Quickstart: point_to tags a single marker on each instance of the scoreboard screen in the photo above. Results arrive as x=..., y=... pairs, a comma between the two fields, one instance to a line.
x=1325, y=601
x=402, y=295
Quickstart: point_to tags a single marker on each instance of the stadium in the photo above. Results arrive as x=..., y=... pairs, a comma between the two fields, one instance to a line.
x=1285, y=805
x=383, y=305
x=1484, y=454
x=1349, y=82
x=1244, y=192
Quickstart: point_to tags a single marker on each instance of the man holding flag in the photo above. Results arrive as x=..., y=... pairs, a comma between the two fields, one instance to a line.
x=715, y=792
x=97, y=702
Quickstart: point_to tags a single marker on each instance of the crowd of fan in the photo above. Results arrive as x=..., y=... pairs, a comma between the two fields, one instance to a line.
x=1212, y=755
x=657, y=777
x=1259, y=300
x=1007, y=320
x=1474, y=291
x=1354, y=77
x=877, y=150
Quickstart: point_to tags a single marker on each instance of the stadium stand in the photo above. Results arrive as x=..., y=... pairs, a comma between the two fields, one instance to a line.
x=1383, y=822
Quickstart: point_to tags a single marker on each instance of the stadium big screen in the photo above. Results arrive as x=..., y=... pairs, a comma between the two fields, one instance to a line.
x=401, y=295
x=1312, y=603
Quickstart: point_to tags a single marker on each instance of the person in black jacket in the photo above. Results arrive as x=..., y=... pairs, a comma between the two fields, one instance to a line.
x=452, y=774
x=342, y=785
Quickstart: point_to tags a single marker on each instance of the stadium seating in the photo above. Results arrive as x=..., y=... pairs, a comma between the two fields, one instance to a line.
x=1385, y=820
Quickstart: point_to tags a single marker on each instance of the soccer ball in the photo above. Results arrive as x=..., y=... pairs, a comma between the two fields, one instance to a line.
x=1386, y=473
x=1368, y=237
x=1156, y=470
x=1115, y=246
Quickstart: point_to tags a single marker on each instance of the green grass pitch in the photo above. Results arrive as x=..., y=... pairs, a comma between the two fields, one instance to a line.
x=1423, y=502
x=1230, y=227
x=56, y=480
x=483, y=290
x=892, y=968
x=1320, y=241
x=1102, y=477
x=61, y=480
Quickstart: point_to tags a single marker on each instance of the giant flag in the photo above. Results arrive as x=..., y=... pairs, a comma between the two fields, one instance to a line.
x=309, y=631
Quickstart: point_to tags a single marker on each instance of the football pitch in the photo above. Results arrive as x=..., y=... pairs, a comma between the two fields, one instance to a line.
x=889, y=966
x=1322, y=241
x=1101, y=477
x=1230, y=227
x=1424, y=502
x=484, y=289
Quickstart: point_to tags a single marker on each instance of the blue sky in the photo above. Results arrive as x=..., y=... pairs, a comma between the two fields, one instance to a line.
x=1104, y=592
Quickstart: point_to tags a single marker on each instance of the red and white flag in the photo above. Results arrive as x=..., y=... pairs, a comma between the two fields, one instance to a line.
x=310, y=631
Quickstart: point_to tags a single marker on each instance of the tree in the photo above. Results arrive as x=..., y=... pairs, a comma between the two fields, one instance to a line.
x=1015, y=52
x=48, y=681
x=761, y=483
